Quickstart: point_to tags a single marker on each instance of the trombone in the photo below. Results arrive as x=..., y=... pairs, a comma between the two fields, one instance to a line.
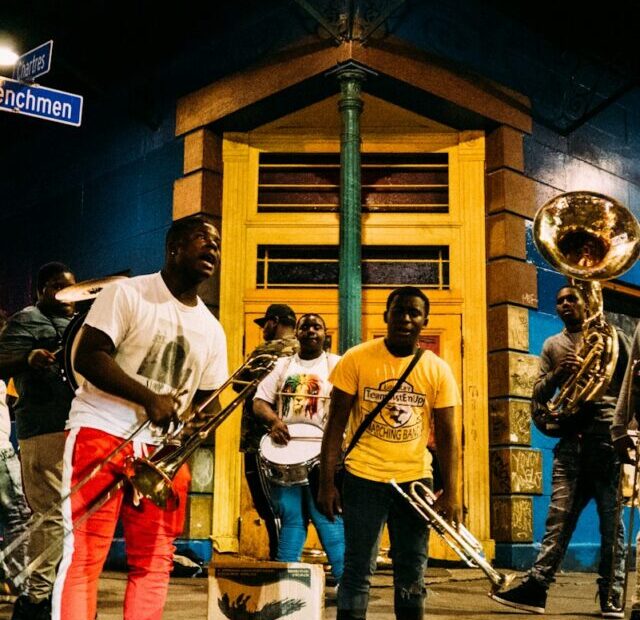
x=152, y=476
x=456, y=535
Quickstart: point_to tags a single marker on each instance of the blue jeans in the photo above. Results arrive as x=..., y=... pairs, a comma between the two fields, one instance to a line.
x=295, y=506
x=14, y=513
x=366, y=507
x=583, y=468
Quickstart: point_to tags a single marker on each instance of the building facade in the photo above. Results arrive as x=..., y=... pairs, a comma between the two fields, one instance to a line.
x=467, y=127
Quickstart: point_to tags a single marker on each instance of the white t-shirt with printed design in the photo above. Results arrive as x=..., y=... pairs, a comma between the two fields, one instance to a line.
x=160, y=342
x=299, y=389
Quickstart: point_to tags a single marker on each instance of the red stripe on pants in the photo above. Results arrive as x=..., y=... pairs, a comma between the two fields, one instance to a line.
x=149, y=534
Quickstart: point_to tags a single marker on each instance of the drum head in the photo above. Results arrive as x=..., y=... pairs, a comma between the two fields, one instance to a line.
x=70, y=340
x=305, y=444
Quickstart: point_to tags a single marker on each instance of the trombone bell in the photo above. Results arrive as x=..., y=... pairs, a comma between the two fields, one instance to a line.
x=152, y=483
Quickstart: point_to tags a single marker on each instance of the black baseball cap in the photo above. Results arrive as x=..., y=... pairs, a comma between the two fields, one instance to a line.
x=276, y=311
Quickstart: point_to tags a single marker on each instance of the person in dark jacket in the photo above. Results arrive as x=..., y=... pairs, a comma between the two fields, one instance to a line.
x=28, y=348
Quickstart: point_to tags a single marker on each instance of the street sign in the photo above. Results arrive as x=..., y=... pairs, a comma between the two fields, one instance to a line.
x=47, y=103
x=34, y=63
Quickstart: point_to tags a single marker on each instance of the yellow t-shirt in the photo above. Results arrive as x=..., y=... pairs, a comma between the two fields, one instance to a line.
x=394, y=444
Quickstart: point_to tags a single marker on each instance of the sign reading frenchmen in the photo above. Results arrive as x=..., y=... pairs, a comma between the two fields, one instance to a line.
x=46, y=103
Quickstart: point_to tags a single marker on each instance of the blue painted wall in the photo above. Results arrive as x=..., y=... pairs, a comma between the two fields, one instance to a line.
x=99, y=197
x=602, y=156
x=99, y=200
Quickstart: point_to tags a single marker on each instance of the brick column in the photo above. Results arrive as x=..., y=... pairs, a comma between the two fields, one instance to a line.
x=200, y=191
x=515, y=467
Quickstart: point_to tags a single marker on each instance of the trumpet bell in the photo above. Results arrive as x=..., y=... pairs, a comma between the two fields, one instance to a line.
x=587, y=236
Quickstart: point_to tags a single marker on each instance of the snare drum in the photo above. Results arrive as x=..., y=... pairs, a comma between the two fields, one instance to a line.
x=289, y=465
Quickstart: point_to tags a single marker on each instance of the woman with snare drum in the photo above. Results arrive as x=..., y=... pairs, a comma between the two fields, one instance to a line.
x=293, y=400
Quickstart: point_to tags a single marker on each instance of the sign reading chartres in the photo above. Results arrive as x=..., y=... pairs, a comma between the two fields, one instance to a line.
x=34, y=63
x=47, y=103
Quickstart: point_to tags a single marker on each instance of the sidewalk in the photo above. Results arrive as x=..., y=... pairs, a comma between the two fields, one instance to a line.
x=453, y=594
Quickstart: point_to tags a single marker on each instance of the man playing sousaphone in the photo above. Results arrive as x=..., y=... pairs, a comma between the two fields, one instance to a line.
x=588, y=237
x=585, y=467
x=150, y=348
x=291, y=400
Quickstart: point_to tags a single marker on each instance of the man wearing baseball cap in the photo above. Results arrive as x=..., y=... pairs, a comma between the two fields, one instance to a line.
x=279, y=321
x=277, y=318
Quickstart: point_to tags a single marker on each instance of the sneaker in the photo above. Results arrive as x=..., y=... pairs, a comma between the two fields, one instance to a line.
x=530, y=595
x=609, y=610
x=611, y=604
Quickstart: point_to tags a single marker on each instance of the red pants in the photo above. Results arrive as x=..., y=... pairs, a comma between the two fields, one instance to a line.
x=149, y=533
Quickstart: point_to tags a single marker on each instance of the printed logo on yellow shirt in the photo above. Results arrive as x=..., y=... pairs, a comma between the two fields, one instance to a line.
x=401, y=419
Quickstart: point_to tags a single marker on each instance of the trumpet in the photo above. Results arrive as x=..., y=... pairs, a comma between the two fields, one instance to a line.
x=152, y=477
x=456, y=535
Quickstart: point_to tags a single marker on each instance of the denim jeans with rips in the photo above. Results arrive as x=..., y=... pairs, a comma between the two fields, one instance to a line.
x=14, y=514
x=584, y=468
x=367, y=506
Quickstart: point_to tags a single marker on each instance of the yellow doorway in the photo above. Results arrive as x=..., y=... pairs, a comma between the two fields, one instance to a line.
x=254, y=225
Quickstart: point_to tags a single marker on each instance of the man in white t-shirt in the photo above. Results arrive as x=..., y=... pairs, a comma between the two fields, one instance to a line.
x=296, y=392
x=150, y=349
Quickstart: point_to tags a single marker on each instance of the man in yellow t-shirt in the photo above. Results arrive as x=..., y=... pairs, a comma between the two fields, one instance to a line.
x=393, y=447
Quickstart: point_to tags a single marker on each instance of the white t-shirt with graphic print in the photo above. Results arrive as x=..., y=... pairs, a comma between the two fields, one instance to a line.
x=299, y=389
x=160, y=342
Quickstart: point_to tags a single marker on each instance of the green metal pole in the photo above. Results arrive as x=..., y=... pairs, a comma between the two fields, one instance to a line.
x=350, y=280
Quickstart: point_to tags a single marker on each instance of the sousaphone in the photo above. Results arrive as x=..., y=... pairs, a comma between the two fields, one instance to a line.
x=588, y=237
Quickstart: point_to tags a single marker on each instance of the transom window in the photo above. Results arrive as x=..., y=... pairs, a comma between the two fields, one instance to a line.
x=383, y=266
x=391, y=182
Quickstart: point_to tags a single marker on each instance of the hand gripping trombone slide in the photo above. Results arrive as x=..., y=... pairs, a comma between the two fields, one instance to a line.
x=152, y=476
x=456, y=535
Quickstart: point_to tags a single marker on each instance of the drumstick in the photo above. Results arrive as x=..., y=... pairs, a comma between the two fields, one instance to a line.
x=292, y=395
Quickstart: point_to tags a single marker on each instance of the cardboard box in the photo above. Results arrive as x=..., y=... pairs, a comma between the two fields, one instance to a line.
x=240, y=589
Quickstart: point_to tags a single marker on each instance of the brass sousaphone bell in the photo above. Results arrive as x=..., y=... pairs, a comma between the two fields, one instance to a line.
x=588, y=237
